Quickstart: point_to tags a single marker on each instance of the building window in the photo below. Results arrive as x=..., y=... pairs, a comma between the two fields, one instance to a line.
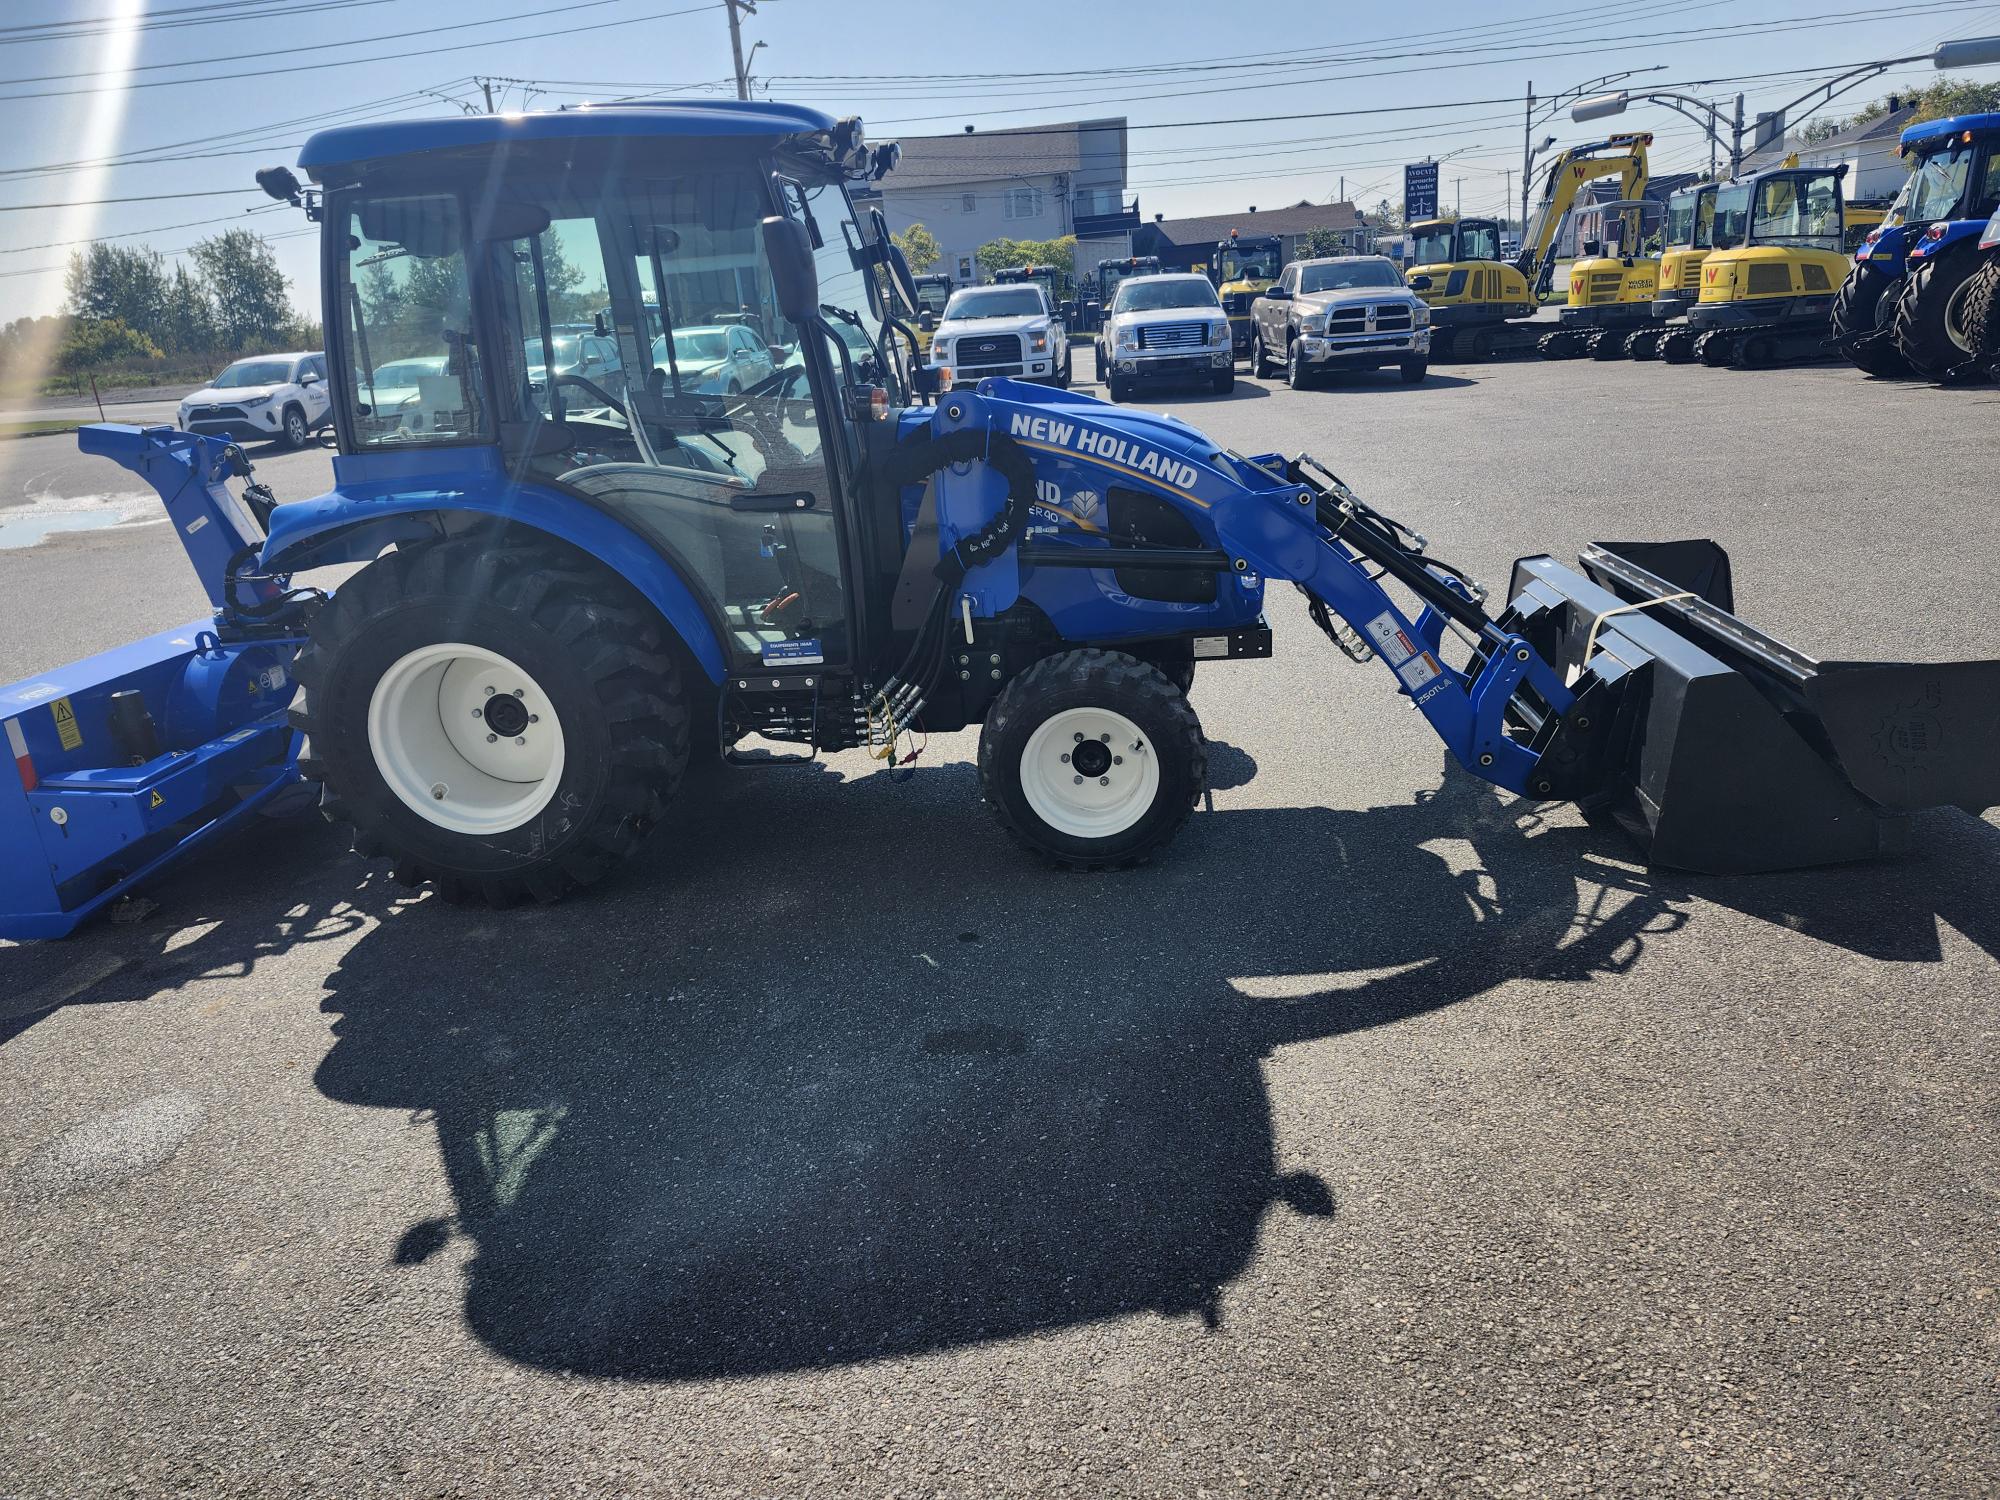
x=968, y=203
x=1023, y=203
x=965, y=268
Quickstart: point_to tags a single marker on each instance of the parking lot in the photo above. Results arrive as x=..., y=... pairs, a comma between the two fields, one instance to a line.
x=1386, y=1136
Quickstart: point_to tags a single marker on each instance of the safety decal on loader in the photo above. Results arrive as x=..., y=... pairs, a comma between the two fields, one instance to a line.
x=1391, y=639
x=66, y=725
x=1418, y=671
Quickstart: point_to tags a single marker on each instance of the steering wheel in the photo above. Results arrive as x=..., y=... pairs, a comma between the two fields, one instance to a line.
x=604, y=397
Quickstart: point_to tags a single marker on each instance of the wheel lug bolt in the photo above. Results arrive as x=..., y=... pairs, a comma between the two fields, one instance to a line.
x=476, y=713
x=522, y=741
x=491, y=738
x=1065, y=759
x=534, y=718
x=1106, y=738
x=438, y=791
x=1117, y=760
x=519, y=694
x=1078, y=737
x=1104, y=781
x=489, y=692
x=1079, y=781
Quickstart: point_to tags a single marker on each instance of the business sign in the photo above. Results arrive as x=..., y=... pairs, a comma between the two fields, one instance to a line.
x=1420, y=191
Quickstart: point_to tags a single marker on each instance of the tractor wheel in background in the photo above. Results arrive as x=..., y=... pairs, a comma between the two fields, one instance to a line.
x=1929, y=313
x=498, y=719
x=1982, y=311
x=296, y=429
x=1259, y=365
x=1092, y=759
x=1414, y=371
x=1298, y=374
x=1864, y=318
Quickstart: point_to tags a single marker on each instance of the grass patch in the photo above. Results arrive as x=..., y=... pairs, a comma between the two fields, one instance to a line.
x=43, y=428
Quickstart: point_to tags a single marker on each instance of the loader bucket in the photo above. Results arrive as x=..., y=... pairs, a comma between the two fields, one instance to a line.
x=1726, y=751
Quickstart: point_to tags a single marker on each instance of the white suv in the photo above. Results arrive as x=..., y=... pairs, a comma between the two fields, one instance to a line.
x=281, y=396
x=1000, y=330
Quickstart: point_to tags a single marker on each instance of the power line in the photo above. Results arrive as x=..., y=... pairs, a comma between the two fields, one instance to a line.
x=219, y=12
x=349, y=62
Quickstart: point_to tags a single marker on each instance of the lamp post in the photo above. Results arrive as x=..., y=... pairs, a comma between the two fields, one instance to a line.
x=1971, y=52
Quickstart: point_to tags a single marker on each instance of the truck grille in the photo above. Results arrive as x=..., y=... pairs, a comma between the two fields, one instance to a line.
x=1172, y=335
x=215, y=414
x=1390, y=318
x=989, y=349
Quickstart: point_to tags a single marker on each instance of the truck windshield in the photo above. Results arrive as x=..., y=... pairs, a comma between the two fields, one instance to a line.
x=1159, y=293
x=1801, y=211
x=1339, y=275
x=1001, y=302
x=253, y=372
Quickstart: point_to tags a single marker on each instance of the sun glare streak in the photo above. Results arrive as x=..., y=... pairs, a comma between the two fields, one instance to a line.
x=100, y=122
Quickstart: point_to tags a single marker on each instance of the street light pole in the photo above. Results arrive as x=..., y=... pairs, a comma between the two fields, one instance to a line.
x=737, y=9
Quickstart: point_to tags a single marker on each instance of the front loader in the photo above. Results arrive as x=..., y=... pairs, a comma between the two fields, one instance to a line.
x=557, y=585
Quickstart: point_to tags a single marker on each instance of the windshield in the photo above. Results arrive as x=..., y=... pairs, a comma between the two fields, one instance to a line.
x=1432, y=247
x=1249, y=265
x=1157, y=293
x=1338, y=275
x=1679, y=228
x=407, y=371
x=1938, y=184
x=253, y=372
x=566, y=350
x=698, y=345
x=1732, y=213
x=931, y=297
x=1002, y=302
x=1798, y=211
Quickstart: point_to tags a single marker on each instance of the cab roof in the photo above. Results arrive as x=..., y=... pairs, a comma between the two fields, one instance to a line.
x=1938, y=130
x=707, y=119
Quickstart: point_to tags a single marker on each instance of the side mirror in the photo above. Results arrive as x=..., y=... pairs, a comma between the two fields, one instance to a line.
x=309, y=378
x=1277, y=293
x=1420, y=283
x=794, y=277
x=899, y=266
x=926, y=320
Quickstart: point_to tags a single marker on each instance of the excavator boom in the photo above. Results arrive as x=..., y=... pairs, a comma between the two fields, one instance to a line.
x=1622, y=155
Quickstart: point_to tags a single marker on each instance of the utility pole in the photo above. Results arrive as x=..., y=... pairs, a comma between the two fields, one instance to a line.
x=1458, y=197
x=486, y=85
x=737, y=9
x=1507, y=196
x=1736, y=142
x=1527, y=156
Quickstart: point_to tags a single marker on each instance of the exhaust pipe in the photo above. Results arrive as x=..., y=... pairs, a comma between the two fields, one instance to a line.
x=1729, y=752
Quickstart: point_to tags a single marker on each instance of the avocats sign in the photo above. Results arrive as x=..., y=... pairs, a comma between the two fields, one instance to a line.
x=1420, y=191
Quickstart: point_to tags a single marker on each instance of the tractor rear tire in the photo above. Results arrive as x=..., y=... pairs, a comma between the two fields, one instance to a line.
x=1864, y=316
x=1924, y=311
x=406, y=676
x=1982, y=311
x=1092, y=759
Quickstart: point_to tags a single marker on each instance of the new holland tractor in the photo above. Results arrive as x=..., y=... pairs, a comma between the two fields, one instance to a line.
x=1900, y=309
x=556, y=595
x=1768, y=287
x=1245, y=265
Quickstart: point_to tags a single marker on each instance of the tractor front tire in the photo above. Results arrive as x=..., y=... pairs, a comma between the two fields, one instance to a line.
x=1925, y=312
x=1982, y=311
x=499, y=719
x=1092, y=759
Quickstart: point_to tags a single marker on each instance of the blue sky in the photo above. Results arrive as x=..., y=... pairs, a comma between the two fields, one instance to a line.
x=227, y=98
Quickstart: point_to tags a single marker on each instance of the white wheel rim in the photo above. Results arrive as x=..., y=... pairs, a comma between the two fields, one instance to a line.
x=445, y=747
x=1086, y=798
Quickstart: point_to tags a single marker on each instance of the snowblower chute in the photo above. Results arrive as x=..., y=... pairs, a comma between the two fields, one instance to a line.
x=1729, y=751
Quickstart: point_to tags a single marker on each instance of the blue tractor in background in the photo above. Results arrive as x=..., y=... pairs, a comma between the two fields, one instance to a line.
x=1902, y=309
x=563, y=592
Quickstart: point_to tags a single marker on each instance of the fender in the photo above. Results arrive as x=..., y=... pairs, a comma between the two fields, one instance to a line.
x=379, y=498
x=1945, y=235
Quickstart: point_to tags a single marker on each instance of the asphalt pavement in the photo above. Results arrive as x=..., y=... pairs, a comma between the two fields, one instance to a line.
x=1386, y=1136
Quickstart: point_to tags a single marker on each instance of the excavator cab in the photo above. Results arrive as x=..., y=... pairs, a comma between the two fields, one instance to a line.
x=1468, y=287
x=1611, y=286
x=1244, y=266
x=1780, y=254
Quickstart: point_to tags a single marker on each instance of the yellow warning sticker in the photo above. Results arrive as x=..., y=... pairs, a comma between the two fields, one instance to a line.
x=66, y=726
x=158, y=801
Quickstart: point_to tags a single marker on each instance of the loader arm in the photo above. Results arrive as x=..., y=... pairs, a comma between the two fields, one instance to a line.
x=1622, y=155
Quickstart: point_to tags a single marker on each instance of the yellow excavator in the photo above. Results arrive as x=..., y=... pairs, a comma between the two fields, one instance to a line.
x=1685, y=241
x=1478, y=301
x=1780, y=253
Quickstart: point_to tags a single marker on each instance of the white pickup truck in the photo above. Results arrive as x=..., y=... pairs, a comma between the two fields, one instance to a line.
x=1000, y=330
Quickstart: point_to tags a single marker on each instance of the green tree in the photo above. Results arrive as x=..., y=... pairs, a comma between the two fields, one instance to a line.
x=999, y=255
x=94, y=343
x=128, y=283
x=187, y=325
x=1323, y=242
x=239, y=272
x=919, y=246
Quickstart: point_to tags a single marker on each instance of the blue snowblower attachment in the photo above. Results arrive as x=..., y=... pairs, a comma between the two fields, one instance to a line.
x=124, y=762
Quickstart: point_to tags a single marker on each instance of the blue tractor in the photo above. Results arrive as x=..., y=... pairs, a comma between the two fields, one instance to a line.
x=563, y=592
x=1903, y=307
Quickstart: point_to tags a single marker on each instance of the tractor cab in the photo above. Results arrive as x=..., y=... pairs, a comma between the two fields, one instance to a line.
x=731, y=441
x=1244, y=266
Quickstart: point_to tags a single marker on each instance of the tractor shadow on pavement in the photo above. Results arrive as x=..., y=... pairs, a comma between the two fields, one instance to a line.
x=834, y=1074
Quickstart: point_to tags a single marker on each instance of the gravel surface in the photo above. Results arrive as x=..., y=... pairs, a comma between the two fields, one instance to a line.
x=1385, y=1137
